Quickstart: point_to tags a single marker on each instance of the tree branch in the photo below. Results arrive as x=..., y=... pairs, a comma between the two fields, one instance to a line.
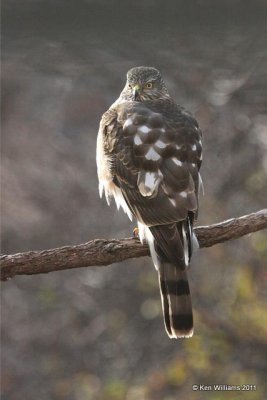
x=101, y=252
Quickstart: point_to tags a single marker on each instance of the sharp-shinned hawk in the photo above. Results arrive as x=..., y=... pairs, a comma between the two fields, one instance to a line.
x=149, y=153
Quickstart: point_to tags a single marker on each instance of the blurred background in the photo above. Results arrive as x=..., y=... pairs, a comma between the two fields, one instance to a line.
x=97, y=333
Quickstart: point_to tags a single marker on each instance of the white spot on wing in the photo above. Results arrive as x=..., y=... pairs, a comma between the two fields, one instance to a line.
x=183, y=194
x=128, y=122
x=152, y=155
x=144, y=129
x=148, y=182
x=137, y=140
x=194, y=147
x=160, y=144
x=176, y=161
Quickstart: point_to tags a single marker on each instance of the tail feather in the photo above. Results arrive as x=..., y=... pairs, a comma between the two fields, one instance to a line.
x=176, y=301
x=171, y=248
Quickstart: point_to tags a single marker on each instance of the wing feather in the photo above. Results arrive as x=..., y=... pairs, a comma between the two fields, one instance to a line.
x=148, y=157
x=154, y=153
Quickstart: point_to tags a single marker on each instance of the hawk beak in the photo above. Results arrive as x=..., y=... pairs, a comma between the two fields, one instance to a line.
x=137, y=91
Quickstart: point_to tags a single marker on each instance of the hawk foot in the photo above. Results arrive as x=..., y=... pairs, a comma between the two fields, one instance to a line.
x=136, y=232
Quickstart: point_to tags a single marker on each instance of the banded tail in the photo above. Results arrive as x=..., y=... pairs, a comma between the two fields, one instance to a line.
x=171, y=249
x=176, y=301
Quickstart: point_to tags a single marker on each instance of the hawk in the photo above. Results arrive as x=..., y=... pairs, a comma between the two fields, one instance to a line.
x=149, y=154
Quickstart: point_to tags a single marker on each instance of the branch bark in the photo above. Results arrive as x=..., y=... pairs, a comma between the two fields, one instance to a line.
x=101, y=252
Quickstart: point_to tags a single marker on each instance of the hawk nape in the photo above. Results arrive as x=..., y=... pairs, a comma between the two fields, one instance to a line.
x=148, y=157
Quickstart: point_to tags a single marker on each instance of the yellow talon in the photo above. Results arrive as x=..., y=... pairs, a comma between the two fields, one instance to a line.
x=136, y=232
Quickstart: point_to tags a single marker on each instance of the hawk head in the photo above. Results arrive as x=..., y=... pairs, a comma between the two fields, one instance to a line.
x=144, y=83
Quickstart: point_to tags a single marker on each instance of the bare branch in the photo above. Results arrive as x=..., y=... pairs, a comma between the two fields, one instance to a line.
x=101, y=252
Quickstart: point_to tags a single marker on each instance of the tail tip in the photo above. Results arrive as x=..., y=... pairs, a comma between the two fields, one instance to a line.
x=179, y=334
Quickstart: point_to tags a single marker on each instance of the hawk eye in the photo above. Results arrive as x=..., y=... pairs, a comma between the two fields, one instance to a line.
x=148, y=85
x=129, y=86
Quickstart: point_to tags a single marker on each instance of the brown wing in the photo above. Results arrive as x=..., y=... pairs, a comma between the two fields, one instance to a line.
x=156, y=152
x=154, y=155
